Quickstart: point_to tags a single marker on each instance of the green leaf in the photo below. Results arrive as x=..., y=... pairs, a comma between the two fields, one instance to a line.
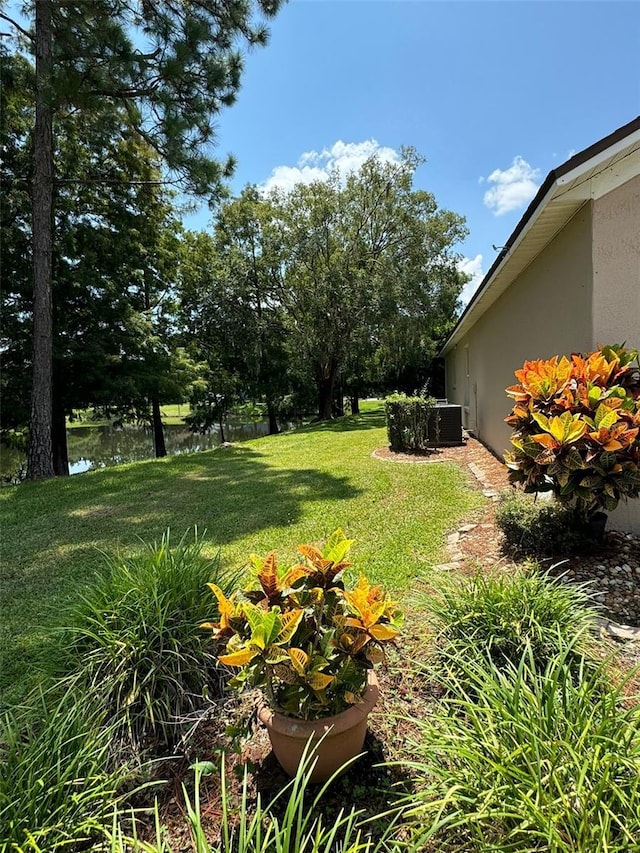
x=610, y=503
x=254, y=617
x=573, y=460
x=339, y=552
x=272, y=626
x=542, y=421
x=594, y=394
x=593, y=481
x=605, y=417
x=335, y=539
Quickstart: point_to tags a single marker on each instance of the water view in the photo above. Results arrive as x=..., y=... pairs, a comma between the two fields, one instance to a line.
x=102, y=446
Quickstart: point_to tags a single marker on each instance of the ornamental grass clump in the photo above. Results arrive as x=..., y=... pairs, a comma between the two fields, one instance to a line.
x=528, y=760
x=575, y=425
x=498, y=617
x=133, y=642
x=302, y=635
x=57, y=786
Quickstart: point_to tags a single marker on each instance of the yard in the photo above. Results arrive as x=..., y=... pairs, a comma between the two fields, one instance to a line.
x=474, y=743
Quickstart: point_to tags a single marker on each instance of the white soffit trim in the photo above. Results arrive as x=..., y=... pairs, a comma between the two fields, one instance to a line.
x=499, y=281
x=629, y=144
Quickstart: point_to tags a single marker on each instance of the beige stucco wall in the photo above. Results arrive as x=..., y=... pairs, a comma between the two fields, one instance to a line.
x=545, y=312
x=616, y=266
x=616, y=291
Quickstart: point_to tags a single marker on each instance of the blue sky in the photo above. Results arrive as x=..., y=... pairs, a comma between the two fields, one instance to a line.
x=493, y=94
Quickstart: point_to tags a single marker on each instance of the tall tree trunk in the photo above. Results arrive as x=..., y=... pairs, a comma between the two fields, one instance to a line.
x=59, y=440
x=326, y=386
x=273, y=422
x=159, y=445
x=222, y=441
x=40, y=450
x=355, y=403
x=326, y=375
x=338, y=398
x=158, y=433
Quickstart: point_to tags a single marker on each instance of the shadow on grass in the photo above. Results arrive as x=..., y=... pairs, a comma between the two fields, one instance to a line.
x=231, y=491
x=348, y=423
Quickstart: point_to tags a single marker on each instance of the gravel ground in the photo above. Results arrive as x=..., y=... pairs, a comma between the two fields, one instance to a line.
x=614, y=573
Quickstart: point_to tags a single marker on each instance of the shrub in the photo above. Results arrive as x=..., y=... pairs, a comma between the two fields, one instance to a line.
x=135, y=642
x=575, y=429
x=55, y=789
x=529, y=760
x=410, y=422
x=539, y=528
x=301, y=635
x=500, y=616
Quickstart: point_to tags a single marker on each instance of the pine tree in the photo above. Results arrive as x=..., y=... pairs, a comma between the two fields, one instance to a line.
x=173, y=67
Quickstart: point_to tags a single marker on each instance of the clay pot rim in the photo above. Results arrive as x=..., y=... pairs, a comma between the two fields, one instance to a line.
x=338, y=723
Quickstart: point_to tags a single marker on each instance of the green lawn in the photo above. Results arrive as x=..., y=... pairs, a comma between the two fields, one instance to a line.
x=172, y=413
x=271, y=493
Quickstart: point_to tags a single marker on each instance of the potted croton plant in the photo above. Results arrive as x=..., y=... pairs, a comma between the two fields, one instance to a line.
x=575, y=425
x=311, y=644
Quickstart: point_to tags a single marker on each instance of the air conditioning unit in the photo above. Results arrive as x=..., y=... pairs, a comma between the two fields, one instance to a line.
x=445, y=429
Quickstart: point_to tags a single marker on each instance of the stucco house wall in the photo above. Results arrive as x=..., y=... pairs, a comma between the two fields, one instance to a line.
x=546, y=311
x=616, y=266
x=616, y=289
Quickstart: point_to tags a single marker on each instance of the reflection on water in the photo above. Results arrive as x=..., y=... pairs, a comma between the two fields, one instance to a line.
x=100, y=447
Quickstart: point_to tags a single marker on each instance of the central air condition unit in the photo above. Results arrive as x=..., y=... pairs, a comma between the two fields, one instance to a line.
x=445, y=429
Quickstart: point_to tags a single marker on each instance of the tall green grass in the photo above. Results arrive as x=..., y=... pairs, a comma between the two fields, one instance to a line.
x=56, y=790
x=291, y=823
x=135, y=644
x=500, y=616
x=529, y=759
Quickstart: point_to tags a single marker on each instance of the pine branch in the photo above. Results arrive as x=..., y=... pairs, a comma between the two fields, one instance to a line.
x=20, y=29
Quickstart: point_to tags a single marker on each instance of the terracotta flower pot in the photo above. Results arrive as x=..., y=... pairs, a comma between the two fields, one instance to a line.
x=344, y=732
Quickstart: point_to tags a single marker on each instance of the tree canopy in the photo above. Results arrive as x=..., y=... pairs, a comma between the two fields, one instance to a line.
x=338, y=287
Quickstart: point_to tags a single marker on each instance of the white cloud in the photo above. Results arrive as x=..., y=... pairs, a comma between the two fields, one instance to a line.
x=512, y=188
x=317, y=165
x=472, y=267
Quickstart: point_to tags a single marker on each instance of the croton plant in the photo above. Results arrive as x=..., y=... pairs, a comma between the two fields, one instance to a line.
x=575, y=428
x=301, y=635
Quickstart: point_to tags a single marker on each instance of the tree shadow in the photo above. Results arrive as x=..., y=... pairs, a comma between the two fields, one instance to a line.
x=231, y=492
x=348, y=423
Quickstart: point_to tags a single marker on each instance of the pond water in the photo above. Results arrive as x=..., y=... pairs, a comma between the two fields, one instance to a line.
x=102, y=446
